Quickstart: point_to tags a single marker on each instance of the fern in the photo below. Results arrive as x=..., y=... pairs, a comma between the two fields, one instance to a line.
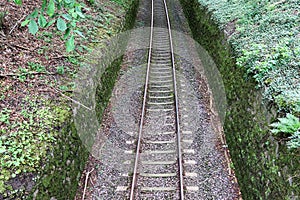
x=290, y=126
x=294, y=143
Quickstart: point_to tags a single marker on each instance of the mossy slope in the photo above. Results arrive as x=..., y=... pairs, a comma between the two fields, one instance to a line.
x=264, y=167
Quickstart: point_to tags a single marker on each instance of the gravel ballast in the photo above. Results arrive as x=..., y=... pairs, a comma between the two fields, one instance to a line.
x=204, y=152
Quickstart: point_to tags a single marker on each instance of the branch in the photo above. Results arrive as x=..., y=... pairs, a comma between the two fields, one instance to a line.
x=277, y=3
x=58, y=91
x=16, y=45
x=13, y=28
x=59, y=57
x=21, y=47
x=85, y=184
x=65, y=56
x=69, y=98
x=27, y=73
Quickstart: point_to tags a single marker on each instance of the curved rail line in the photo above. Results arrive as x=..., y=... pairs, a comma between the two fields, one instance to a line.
x=165, y=95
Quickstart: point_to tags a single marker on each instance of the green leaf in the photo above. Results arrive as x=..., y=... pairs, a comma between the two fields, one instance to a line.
x=80, y=14
x=67, y=33
x=61, y=24
x=42, y=21
x=288, y=125
x=284, y=120
x=33, y=27
x=51, y=8
x=25, y=22
x=73, y=23
x=50, y=23
x=78, y=11
x=18, y=2
x=73, y=13
x=44, y=4
x=59, y=5
x=34, y=14
x=79, y=33
x=70, y=46
x=2, y=149
x=67, y=17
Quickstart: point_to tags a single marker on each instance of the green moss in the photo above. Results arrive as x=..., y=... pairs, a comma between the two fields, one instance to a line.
x=131, y=15
x=62, y=113
x=59, y=177
x=265, y=168
x=103, y=90
x=24, y=144
x=70, y=154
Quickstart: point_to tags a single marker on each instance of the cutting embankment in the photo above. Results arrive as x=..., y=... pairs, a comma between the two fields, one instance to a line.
x=41, y=153
x=255, y=45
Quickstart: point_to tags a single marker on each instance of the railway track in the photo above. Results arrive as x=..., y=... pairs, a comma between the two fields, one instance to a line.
x=158, y=166
x=165, y=147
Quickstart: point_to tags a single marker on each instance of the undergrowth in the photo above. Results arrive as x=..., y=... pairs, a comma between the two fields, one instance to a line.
x=265, y=37
x=290, y=126
x=24, y=143
x=27, y=134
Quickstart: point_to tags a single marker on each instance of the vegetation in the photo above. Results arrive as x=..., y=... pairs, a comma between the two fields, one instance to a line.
x=265, y=36
x=2, y=14
x=65, y=14
x=290, y=126
x=36, y=80
x=18, y=154
x=264, y=166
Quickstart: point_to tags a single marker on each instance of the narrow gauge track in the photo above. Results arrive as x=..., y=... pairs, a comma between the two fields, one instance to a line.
x=158, y=166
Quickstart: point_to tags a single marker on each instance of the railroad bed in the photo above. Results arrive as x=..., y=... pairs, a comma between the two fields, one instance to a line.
x=172, y=152
x=158, y=164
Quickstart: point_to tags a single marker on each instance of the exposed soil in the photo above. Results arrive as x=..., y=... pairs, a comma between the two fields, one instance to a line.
x=18, y=47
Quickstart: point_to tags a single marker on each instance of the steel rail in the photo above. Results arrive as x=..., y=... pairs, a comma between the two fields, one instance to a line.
x=135, y=170
x=178, y=136
x=180, y=165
